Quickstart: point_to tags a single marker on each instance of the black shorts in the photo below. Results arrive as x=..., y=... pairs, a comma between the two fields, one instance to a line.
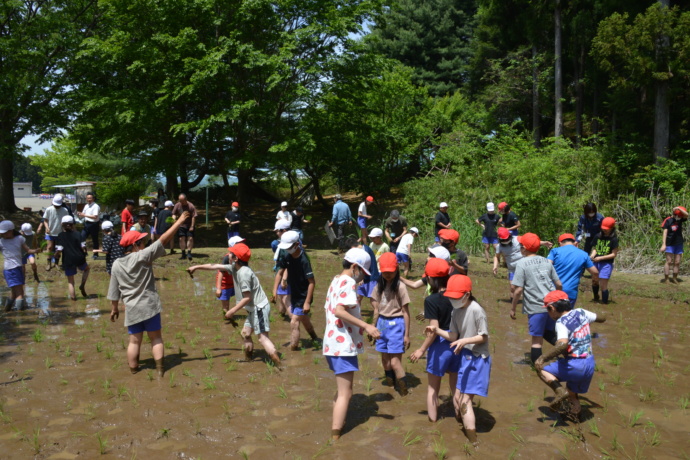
x=184, y=231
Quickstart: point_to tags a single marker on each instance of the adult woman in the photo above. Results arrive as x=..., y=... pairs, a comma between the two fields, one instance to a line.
x=588, y=226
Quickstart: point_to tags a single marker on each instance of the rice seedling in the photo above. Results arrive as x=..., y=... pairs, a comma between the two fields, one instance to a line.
x=121, y=391
x=269, y=437
x=594, y=428
x=35, y=441
x=654, y=440
x=171, y=379
x=647, y=395
x=48, y=362
x=209, y=382
x=149, y=375
x=530, y=405
x=634, y=417
x=440, y=450
x=38, y=336
x=683, y=402
x=109, y=354
x=281, y=392
x=410, y=439
x=615, y=445
x=80, y=357
x=102, y=443
x=163, y=432
x=231, y=367
x=317, y=405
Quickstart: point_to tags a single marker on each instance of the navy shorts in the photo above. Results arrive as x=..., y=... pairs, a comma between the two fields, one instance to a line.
x=392, y=335
x=342, y=364
x=489, y=240
x=14, y=277
x=440, y=358
x=366, y=289
x=402, y=258
x=152, y=324
x=576, y=372
x=185, y=232
x=514, y=232
x=540, y=323
x=231, y=234
x=50, y=238
x=362, y=222
x=71, y=271
x=226, y=294
x=474, y=374
x=677, y=249
x=605, y=269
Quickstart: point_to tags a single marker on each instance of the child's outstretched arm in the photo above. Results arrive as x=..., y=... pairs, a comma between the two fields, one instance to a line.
x=207, y=267
x=246, y=297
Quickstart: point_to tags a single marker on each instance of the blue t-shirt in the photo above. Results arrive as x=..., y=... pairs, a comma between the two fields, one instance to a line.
x=373, y=268
x=569, y=262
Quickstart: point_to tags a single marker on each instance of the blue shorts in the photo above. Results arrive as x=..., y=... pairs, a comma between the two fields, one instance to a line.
x=149, y=325
x=231, y=234
x=474, y=373
x=576, y=372
x=677, y=249
x=71, y=271
x=342, y=364
x=26, y=257
x=14, y=277
x=514, y=232
x=297, y=311
x=441, y=359
x=365, y=289
x=226, y=294
x=362, y=222
x=50, y=238
x=511, y=275
x=489, y=240
x=402, y=258
x=282, y=291
x=540, y=323
x=605, y=269
x=392, y=334
x=437, y=239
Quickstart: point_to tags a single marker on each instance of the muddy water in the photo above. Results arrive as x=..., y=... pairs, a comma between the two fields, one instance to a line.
x=66, y=391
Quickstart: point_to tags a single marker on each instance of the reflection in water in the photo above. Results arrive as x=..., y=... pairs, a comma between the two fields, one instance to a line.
x=199, y=288
x=37, y=296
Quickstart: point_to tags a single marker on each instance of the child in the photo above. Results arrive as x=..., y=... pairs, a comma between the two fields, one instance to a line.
x=111, y=246
x=489, y=221
x=126, y=216
x=469, y=334
x=377, y=244
x=225, y=286
x=404, y=250
x=299, y=219
x=253, y=300
x=575, y=341
x=441, y=221
x=11, y=245
x=343, y=339
x=363, y=219
x=28, y=234
x=440, y=359
x=392, y=317
x=588, y=226
x=73, y=246
x=232, y=218
x=163, y=221
x=509, y=219
x=281, y=294
x=604, y=251
x=673, y=242
x=449, y=239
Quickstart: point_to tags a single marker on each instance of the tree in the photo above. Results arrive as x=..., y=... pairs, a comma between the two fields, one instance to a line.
x=38, y=41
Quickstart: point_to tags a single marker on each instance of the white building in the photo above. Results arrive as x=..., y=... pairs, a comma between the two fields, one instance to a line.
x=22, y=189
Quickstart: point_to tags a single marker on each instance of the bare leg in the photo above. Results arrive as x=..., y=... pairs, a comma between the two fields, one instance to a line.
x=676, y=266
x=158, y=350
x=342, y=400
x=364, y=237
x=294, y=332
x=84, y=277
x=406, y=269
x=306, y=322
x=226, y=305
x=667, y=266
x=248, y=343
x=190, y=243
x=183, y=243
x=282, y=304
x=452, y=384
x=467, y=413
x=270, y=348
x=70, y=286
x=50, y=248
x=133, y=350
x=433, y=387
x=486, y=252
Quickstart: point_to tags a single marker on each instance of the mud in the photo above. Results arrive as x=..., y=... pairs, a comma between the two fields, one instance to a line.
x=66, y=390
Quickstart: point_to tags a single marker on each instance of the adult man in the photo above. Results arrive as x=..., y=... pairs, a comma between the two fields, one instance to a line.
x=91, y=216
x=52, y=219
x=232, y=218
x=534, y=277
x=395, y=229
x=132, y=281
x=340, y=218
x=142, y=226
x=442, y=220
x=570, y=262
x=186, y=229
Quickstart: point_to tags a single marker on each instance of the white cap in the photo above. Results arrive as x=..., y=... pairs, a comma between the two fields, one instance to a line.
x=440, y=253
x=414, y=230
x=234, y=240
x=360, y=257
x=106, y=225
x=376, y=232
x=288, y=239
x=283, y=204
x=282, y=224
x=6, y=226
x=27, y=229
x=57, y=200
x=490, y=207
x=67, y=220
x=169, y=203
x=443, y=204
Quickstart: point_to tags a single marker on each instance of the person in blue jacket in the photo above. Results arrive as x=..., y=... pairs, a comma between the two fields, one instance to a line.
x=588, y=227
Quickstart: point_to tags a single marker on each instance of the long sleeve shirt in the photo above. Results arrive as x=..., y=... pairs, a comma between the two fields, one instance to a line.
x=341, y=213
x=588, y=226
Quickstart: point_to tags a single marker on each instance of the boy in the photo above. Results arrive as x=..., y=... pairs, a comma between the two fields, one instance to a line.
x=232, y=218
x=284, y=214
x=225, y=285
x=509, y=219
x=253, y=300
x=509, y=248
x=672, y=242
x=534, y=277
x=27, y=257
x=570, y=262
x=395, y=228
x=52, y=219
x=442, y=220
x=111, y=246
x=377, y=244
x=71, y=244
x=489, y=221
x=300, y=278
x=363, y=219
x=404, y=250
x=449, y=239
x=163, y=222
x=280, y=294
x=126, y=216
x=298, y=218
x=575, y=341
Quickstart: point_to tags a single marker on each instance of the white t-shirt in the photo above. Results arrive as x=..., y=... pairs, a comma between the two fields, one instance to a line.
x=404, y=241
x=92, y=210
x=12, y=251
x=284, y=215
x=362, y=208
x=54, y=216
x=341, y=338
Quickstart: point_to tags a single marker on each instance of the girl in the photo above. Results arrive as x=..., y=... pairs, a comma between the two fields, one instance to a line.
x=673, y=242
x=342, y=340
x=604, y=251
x=469, y=333
x=111, y=246
x=392, y=317
x=441, y=359
x=28, y=234
x=11, y=245
x=363, y=218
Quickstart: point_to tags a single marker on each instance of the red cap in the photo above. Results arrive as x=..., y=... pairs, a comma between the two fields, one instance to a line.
x=566, y=236
x=436, y=268
x=449, y=234
x=530, y=241
x=502, y=205
x=131, y=237
x=388, y=262
x=242, y=251
x=235, y=204
x=554, y=296
x=370, y=198
x=608, y=223
x=503, y=233
x=680, y=211
x=458, y=286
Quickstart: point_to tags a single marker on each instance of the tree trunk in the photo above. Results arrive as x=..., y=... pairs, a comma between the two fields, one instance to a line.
x=595, y=109
x=558, y=75
x=244, y=186
x=661, y=103
x=317, y=187
x=536, y=110
x=7, y=204
x=579, y=94
x=171, y=181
